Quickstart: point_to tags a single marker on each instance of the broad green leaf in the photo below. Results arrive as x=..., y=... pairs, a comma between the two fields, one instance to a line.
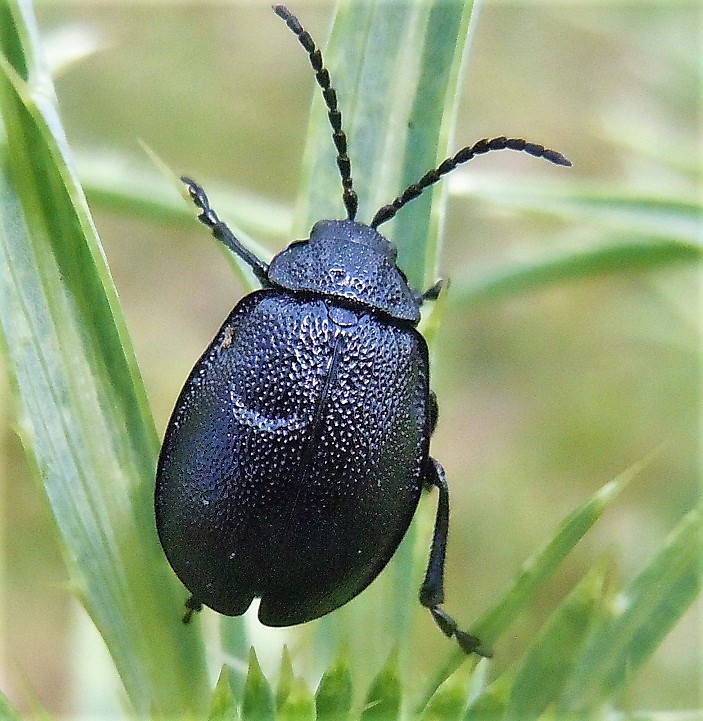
x=538, y=569
x=82, y=411
x=384, y=698
x=333, y=698
x=638, y=619
x=258, y=702
x=548, y=663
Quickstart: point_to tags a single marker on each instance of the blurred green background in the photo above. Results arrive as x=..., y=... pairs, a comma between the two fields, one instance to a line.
x=544, y=395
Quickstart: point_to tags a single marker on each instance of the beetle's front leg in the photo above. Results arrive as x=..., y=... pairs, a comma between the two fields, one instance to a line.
x=432, y=589
x=208, y=217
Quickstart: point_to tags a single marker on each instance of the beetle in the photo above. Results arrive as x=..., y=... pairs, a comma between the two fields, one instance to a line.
x=298, y=449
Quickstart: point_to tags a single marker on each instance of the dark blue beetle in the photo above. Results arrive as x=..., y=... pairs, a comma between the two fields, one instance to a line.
x=299, y=446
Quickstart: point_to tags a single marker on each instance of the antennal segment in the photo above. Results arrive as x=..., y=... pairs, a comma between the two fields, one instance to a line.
x=349, y=196
x=463, y=156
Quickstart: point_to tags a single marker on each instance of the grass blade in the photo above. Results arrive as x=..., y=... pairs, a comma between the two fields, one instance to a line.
x=7, y=713
x=82, y=410
x=399, y=67
x=676, y=218
x=384, y=698
x=639, y=618
x=612, y=255
x=258, y=703
x=333, y=698
x=546, y=666
x=449, y=701
x=300, y=704
x=537, y=570
x=395, y=66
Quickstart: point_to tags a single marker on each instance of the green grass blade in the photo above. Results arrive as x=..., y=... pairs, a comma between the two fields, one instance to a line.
x=540, y=566
x=537, y=570
x=82, y=410
x=111, y=182
x=286, y=678
x=612, y=255
x=7, y=713
x=333, y=698
x=640, y=232
x=416, y=229
x=223, y=705
x=385, y=696
x=395, y=66
x=258, y=703
x=639, y=618
x=676, y=218
x=491, y=704
x=300, y=704
x=449, y=701
x=545, y=668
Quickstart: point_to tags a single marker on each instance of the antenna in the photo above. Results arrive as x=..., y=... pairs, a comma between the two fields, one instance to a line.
x=463, y=156
x=349, y=197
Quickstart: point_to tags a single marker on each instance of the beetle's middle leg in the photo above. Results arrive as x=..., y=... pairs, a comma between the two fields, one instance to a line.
x=432, y=589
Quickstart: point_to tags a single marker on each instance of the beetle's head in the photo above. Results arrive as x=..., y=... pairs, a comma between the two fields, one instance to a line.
x=351, y=262
x=351, y=231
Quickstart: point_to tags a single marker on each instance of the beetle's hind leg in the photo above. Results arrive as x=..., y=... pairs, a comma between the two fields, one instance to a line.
x=209, y=218
x=432, y=589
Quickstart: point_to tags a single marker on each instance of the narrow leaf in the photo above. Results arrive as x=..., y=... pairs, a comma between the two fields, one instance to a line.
x=490, y=705
x=82, y=410
x=396, y=68
x=299, y=705
x=333, y=698
x=286, y=677
x=258, y=702
x=614, y=254
x=548, y=663
x=7, y=713
x=111, y=182
x=223, y=706
x=675, y=218
x=450, y=700
x=383, y=701
x=538, y=569
x=639, y=618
